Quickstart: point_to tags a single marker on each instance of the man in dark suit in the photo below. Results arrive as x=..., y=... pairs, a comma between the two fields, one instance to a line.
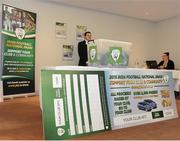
x=166, y=63
x=82, y=49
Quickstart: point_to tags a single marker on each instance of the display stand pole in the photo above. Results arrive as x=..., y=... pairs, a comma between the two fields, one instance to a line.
x=1, y=91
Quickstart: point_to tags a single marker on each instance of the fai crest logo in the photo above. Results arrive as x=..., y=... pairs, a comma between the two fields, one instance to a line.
x=166, y=79
x=92, y=54
x=20, y=33
x=60, y=131
x=115, y=54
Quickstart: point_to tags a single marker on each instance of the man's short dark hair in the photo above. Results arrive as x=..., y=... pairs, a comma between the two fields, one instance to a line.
x=87, y=33
x=167, y=53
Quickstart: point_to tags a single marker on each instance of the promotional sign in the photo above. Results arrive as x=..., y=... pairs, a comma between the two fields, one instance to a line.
x=92, y=54
x=74, y=103
x=61, y=30
x=84, y=100
x=67, y=52
x=18, y=50
x=140, y=96
x=80, y=30
x=115, y=55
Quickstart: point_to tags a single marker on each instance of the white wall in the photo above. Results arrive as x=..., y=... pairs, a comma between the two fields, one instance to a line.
x=102, y=25
x=168, y=39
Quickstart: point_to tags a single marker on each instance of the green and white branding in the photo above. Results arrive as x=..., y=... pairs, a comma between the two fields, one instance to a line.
x=18, y=50
x=92, y=54
x=115, y=55
x=79, y=102
x=20, y=33
x=140, y=96
x=74, y=103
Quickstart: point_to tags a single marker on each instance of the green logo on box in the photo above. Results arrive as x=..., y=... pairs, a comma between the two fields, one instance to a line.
x=157, y=114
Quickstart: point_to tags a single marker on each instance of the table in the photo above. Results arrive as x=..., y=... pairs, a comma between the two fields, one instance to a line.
x=176, y=77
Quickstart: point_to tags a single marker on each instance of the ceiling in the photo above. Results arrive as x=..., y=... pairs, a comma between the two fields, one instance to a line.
x=151, y=10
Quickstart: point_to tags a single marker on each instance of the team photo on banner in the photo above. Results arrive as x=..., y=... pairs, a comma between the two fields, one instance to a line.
x=18, y=50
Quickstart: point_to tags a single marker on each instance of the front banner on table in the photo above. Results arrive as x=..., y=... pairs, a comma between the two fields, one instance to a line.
x=74, y=103
x=140, y=96
x=18, y=47
x=78, y=102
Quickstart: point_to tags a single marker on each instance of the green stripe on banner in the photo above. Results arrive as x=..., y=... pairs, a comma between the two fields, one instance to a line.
x=65, y=103
x=104, y=102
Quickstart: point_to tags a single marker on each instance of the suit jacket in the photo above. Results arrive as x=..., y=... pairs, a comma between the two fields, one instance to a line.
x=82, y=51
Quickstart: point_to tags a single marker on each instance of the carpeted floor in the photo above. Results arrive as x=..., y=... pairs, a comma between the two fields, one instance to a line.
x=20, y=119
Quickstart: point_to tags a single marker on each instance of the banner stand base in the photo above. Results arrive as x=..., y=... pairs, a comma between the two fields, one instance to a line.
x=19, y=95
x=1, y=91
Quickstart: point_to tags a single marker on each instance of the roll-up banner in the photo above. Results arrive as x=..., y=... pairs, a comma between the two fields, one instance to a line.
x=78, y=102
x=18, y=50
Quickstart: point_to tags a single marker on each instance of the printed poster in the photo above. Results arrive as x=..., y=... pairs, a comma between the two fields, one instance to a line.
x=74, y=103
x=115, y=56
x=92, y=54
x=80, y=30
x=61, y=30
x=79, y=102
x=67, y=52
x=18, y=47
x=140, y=96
